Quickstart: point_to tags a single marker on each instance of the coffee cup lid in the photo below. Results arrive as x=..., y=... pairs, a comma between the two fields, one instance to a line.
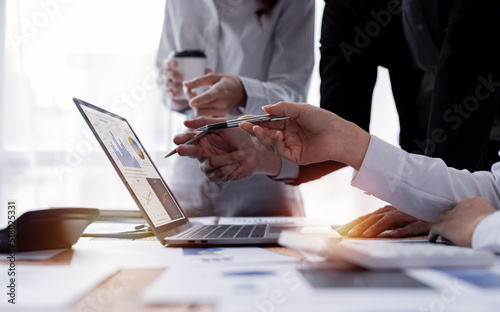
x=188, y=53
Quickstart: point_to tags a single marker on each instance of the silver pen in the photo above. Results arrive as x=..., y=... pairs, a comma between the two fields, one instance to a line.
x=236, y=122
x=190, y=141
x=228, y=124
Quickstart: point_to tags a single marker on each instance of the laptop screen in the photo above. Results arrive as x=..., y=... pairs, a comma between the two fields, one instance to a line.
x=128, y=156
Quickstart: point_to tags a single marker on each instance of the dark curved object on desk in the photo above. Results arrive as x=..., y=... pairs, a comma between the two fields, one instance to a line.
x=52, y=228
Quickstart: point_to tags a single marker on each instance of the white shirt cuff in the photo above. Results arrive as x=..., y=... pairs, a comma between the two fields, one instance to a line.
x=288, y=173
x=256, y=96
x=487, y=233
x=377, y=167
x=393, y=175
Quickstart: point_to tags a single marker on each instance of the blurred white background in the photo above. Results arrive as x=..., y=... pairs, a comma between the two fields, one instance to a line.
x=104, y=52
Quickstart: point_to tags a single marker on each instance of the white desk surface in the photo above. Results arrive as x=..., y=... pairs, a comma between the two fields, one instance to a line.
x=119, y=270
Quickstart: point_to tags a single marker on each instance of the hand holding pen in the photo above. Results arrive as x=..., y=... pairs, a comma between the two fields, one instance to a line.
x=190, y=141
x=227, y=125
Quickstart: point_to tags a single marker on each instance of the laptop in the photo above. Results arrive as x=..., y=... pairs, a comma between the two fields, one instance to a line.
x=154, y=198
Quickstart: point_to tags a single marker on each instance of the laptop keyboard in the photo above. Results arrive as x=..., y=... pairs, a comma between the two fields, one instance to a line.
x=228, y=231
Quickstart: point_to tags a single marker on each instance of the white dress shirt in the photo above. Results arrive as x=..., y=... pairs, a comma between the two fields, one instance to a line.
x=273, y=60
x=423, y=187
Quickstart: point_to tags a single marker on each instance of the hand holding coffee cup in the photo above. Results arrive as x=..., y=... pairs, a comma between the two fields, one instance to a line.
x=173, y=80
x=181, y=66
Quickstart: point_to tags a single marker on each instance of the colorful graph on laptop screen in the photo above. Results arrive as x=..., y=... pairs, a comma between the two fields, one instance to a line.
x=136, y=147
x=123, y=154
x=140, y=174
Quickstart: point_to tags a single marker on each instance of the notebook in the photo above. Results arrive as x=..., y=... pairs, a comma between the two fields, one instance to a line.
x=154, y=198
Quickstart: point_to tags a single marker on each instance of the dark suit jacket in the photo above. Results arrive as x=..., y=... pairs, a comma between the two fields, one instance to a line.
x=359, y=35
x=467, y=84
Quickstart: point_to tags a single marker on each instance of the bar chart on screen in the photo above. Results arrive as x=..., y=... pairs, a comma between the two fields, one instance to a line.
x=125, y=157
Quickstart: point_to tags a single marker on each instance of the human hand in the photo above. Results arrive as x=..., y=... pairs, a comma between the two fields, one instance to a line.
x=386, y=218
x=313, y=135
x=458, y=224
x=227, y=155
x=226, y=93
x=173, y=84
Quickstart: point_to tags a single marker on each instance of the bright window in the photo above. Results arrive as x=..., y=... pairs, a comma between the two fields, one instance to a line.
x=104, y=52
x=100, y=51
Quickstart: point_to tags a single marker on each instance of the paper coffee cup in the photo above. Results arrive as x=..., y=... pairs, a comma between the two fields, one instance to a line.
x=190, y=64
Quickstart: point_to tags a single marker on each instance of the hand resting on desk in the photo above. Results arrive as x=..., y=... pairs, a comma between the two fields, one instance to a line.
x=386, y=218
x=458, y=224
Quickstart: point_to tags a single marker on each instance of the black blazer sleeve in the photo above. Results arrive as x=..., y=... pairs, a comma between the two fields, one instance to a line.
x=467, y=87
x=351, y=51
